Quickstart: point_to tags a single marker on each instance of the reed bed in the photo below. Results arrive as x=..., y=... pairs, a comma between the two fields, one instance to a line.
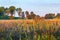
x=30, y=29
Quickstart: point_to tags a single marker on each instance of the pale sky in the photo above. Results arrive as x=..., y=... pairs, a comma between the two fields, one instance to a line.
x=39, y=7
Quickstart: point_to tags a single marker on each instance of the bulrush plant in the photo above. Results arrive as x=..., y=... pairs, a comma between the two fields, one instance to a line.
x=41, y=30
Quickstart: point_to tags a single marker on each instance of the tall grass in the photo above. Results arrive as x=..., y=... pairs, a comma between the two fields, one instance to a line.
x=40, y=30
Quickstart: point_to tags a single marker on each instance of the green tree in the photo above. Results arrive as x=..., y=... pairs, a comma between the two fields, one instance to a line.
x=19, y=11
x=12, y=9
x=32, y=15
x=7, y=11
x=27, y=15
x=49, y=16
x=57, y=16
x=2, y=11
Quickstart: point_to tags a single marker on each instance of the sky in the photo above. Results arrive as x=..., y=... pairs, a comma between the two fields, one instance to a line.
x=39, y=7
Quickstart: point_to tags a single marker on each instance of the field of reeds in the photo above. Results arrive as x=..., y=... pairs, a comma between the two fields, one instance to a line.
x=30, y=29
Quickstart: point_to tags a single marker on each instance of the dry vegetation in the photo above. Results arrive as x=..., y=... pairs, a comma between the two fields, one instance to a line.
x=44, y=27
x=27, y=23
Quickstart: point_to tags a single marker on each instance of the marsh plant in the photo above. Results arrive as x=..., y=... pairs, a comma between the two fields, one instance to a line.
x=22, y=32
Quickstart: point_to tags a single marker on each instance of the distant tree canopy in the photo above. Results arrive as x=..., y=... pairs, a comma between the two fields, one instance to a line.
x=12, y=8
x=4, y=12
x=7, y=11
x=58, y=15
x=27, y=14
x=19, y=10
x=31, y=15
x=2, y=9
x=49, y=16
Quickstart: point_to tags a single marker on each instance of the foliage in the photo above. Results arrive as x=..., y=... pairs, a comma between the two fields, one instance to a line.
x=18, y=31
x=12, y=8
x=1, y=11
x=49, y=16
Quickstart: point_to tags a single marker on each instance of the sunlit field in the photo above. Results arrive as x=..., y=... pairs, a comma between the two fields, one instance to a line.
x=30, y=29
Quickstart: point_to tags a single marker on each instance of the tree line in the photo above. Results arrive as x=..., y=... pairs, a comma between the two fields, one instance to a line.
x=52, y=16
x=4, y=12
